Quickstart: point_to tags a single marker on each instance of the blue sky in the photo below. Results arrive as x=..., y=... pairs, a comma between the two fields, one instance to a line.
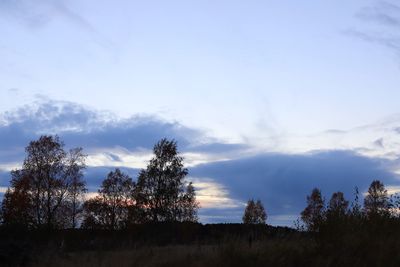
x=236, y=83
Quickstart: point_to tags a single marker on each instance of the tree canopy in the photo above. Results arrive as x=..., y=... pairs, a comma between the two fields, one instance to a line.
x=376, y=201
x=254, y=213
x=109, y=210
x=313, y=214
x=47, y=186
x=162, y=192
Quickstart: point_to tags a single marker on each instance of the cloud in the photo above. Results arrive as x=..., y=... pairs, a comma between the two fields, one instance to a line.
x=209, y=215
x=225, y=175
x=33, y=14
x=219, y=147
x=384, y=13
x=382, y=38
x=377, y=139
x=14, y=91
x=213, y=195
x=4, y=178
x=97, y=132
x=385, y=25
x=282, y=181
x=95, y=175
x=379, y=143
x=39, y=13
x=110, y=142
x=108, y=139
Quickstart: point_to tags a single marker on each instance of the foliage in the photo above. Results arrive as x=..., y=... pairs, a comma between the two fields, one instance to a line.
x=338, y=206
x=45, y=198
x=189, y=205
x=77, y=187
x=42, y=191
x=110, y=208
x=254, y=213
x=160, y=191
x=313, y=214
x=16, y=207
x=49, y=191
x=377, y=201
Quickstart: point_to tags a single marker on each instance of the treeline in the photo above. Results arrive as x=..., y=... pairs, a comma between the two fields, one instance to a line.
x=46, y=201
x=378, y=206
x=49, y=191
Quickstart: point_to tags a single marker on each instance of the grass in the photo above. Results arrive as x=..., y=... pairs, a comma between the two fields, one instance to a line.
x=368, y=244
x=265, y=253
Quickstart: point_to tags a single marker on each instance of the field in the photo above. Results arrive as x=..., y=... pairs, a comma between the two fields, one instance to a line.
x=194, y=245
x=272, y=253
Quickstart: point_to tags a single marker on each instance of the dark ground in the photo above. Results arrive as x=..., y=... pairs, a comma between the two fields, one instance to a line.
x=198, y=245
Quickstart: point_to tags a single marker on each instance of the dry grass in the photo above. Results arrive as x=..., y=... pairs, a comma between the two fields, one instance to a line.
x=273, y=253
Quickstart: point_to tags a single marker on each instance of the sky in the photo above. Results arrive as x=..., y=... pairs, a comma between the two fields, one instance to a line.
x=267, y=99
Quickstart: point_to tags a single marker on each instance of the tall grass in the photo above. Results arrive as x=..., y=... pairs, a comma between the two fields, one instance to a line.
x=232, y=253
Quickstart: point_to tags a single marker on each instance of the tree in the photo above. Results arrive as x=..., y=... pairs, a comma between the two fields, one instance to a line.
x=254, y=213
x=16, y=207
x=77, y=187
x=355, y=209
x=377, y=201
x=338, y=205
x=313, y=214
x=161, y=187
x=336, y=218
x=110, y=208
x=189, y=205
x=95, y=214
x=44, y=182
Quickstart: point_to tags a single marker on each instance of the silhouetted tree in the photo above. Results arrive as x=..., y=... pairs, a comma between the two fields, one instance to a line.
x=395, y=205
x=377, y=201
x=160, y=187
x=313, y=214
x=356, y=210
x=110, y=208
x=77, y=187
x=16, y=207
x=338, y=205
x=336, y=217
x=44, y=182
x=189, y=204
x=95, y=214
x=254, y=213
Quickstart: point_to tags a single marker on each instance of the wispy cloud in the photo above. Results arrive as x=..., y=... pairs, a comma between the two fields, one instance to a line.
x=384, y=19
x=376, y=139
x=384, y=13
x=39, y=13
x=382, y=38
